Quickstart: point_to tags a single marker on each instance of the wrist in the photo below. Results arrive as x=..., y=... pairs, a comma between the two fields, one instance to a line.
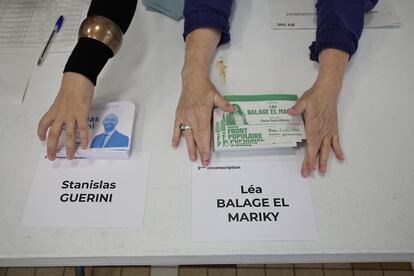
x=326, y=89
x=332, y=65
x=200, y=47
x=194, y=70
x=328, y=82
x=75, y=77
x=76, y=84
x=196, y=62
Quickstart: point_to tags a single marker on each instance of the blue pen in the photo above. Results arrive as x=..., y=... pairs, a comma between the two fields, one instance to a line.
x=56, y=29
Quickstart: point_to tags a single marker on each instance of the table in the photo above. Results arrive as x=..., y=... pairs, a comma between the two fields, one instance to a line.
x=364, y=207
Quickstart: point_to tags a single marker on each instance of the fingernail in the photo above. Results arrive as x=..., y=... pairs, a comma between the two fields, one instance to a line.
x=205, y=162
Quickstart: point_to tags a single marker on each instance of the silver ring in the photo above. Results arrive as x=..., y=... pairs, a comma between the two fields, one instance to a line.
x=184, y=127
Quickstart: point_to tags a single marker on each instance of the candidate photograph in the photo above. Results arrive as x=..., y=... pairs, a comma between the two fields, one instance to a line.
x=110, y=138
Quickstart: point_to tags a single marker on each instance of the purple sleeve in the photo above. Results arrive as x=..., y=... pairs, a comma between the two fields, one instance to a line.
x=208, y=13
x=340, y=24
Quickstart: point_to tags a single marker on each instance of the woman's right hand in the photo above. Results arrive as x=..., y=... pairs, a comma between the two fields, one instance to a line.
x=70, y=109
x=194, y=109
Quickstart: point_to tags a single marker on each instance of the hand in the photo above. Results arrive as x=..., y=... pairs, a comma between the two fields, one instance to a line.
x=319, y=107
x=70, y=109
x=198, y=98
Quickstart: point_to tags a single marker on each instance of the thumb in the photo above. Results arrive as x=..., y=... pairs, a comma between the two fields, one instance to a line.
x=299, y=107
x=221, y=103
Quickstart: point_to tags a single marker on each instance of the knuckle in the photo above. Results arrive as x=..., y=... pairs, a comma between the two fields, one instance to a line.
x=190, y=148
x=53, y=135
x=51, y=147
x=325, y=145
x=309, y=163
x=41, y=131
x=313, y=143
x=70, y=134
x=42, y=123
x=83, y=129
x=310, y=152
x=176, y=134
x=70, y=147
x=188, y=134
x=197, y=138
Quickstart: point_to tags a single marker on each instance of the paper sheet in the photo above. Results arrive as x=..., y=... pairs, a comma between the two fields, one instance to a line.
x=301, y=14
x=25, y=25
x=251, y=201
x=88, y=193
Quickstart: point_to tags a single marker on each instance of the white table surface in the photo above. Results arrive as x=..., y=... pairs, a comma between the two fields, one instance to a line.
x=364, y=207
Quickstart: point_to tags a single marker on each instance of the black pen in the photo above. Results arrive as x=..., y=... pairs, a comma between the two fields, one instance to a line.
x=56, y=29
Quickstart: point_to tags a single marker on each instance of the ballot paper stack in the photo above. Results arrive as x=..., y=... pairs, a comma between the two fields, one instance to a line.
x=110, y=132
x=258, y=122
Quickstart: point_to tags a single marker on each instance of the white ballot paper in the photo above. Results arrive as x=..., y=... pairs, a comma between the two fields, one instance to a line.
x=110, y=126
x=88, y=193
x=27, y=24
x=251, y=201
x=301, y=14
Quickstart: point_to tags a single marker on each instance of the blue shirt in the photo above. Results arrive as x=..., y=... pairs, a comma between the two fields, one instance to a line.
x=340, y=22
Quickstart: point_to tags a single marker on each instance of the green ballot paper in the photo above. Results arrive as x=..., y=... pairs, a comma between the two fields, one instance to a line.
x=171, y=8
x=258, y=122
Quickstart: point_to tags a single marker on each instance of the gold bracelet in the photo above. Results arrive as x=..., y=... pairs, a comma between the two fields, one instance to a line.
x=102, y=29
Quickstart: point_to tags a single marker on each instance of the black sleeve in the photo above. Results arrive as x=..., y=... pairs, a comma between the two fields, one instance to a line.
x=89, y=55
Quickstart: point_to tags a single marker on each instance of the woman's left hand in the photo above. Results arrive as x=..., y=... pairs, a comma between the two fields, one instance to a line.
x=319, y=108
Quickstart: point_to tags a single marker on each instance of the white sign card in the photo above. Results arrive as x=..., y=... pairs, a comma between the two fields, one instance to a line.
x=251, y=201
x=301, y=14
x=88, y=193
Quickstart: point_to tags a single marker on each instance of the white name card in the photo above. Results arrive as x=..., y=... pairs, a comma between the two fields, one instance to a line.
x=88, y=193
x=251, y=201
